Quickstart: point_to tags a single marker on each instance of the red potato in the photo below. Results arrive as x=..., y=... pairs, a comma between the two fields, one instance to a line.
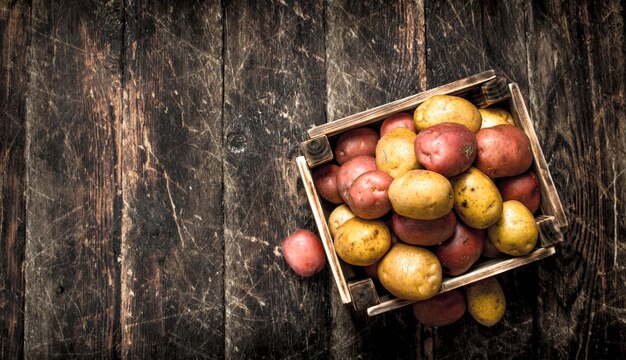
x=503, y=150
x=397, y=120
x=368, y=194
x=351, y=170
x=459, y=252
x=423, y=232
x=443, y=309
x=325, y=181
x=357, y=142
x=523, y=188
x=446, y=148
x=304, y=252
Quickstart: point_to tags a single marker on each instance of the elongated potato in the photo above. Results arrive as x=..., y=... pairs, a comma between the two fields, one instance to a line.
x=421, y=194
x=495, y=116
x=476, y=199
x=447, y=108
x=362, y=242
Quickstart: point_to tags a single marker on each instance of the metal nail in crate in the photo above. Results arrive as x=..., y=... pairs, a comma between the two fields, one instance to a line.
x=484, y=89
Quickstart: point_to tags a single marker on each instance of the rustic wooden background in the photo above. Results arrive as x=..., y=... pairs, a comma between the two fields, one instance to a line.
x=147, y=154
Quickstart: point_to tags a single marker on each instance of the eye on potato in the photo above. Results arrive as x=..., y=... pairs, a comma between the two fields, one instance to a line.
x=446, y=148
x=523, y=188
x=476, y=199
x=325, y=181
x=503, y=150
x=357, y=142
x=368, y=194
x=423, y=232
x=395, y=152
x=516, y=232
x=447, y=108
x=362, y=242
x=495, y=116
x=421, y=194
x=410, y=272
x=485, y=301
x=461, y=250
x=304, y=253
x=402, y=119
x=351, y=170
x=443, y=309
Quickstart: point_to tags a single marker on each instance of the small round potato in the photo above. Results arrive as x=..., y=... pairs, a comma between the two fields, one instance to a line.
x=423, y=232
x=485, y=301
x=325, y=181
x=397, y=120
x=395, y=152
x=495, y=116
x=443, y=309
x=357, y=142
x=410, y=272
x=351, y=170
x=503, y=150
x=446, y=108
x=422, y=195
x=369, y=196
x=446, y=148
x=516, y=232
x=338, y=217
x=523, y=188
x=362, y=242
x=476, y=199
x=304, y=253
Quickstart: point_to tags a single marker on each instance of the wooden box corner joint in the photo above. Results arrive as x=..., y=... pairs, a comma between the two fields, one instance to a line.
x=363, y=294
x=317, y=150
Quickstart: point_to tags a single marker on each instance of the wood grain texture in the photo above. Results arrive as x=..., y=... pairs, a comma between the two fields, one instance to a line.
x=73, y=226
x=14, y=51
x=579, y=54
x=373, y=53
x=274, y=85
x=172, y=248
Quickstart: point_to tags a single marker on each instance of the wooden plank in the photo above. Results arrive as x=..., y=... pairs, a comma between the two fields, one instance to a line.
x=73, y=200
x=14, y=51
x=273, y=91
x=577, y=95
x=375, y=56
x=171, y=246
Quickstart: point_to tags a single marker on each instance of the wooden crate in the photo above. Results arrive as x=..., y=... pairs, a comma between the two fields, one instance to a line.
x=484, y=89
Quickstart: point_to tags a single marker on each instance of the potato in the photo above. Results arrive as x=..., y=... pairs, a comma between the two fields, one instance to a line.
x=446, y=148
x=443, y=309
x=476, y=199
x=362, y=242
x=369, y=196
x=397, y=120
x=395, y=152
x=423, y=232
x=304, y=252
x=410, y=272
x=421, y=194
x=325, y=181
x=461, y=250
x=446, y=108
x=338, y=217
x=485, y=301
x=494, y=116
x=516, y=232
x=372, y=270
x=351, y=170
x=503, y=150
x=523, y=188
x=357, y=142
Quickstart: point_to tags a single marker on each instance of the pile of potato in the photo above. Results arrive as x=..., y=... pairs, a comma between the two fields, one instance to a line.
x=428, y=194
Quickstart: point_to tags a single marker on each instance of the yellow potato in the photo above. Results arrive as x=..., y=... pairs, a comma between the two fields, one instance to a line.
x=362, y=242
x=476, y=199
x=516, y=232
x=421, y=194
x=494, y=116
x=446, y=108
x=485, y=301
x=410, y=272
x=338, y=217
x=395, y=152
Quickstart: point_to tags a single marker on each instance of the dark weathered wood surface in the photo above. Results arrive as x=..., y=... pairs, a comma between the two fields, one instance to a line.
x=147, y=155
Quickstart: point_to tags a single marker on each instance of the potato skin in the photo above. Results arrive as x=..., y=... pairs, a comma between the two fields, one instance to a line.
x=362, y=242
x=503, y=150
x=495, y=116
x=325, y=181
x=446, y=108
x=357, y=142
x=523, y=188
x=476, y=199
x=304, y=253
x=338, y=217
x=410, y=272
x=368, y=194
x=397, y=120
x=485, y=301
x=395, y=152
x=516, y=232
x=490, y=250
x=421, y=194
x=461, y=250
x=443, y=309
x=351, y=170
x=423, y=232
x=447, y=148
